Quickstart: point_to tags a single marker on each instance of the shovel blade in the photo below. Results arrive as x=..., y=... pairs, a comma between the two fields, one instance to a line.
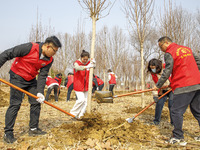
x=106, y=100
x=104, y=96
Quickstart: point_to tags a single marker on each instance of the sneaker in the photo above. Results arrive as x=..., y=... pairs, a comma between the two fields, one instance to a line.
x=36, y=131
x=156, y=123
x=197, y=138
x=9, y=138
x=177, y=141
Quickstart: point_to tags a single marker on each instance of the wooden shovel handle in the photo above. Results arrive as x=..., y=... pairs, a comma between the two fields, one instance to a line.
x=152, y=103
x=137, y=92
x=32, y=95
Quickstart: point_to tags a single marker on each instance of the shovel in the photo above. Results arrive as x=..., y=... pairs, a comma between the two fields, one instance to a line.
x=130, y=120
x=106, y=96
x=13, y=86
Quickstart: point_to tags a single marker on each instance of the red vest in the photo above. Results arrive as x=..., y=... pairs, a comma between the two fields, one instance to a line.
x=70, y=80
x=185, y=71
x=27, y=66
x=50, y=81
x=99, y=81
x=59, y=80
x=113, y=79
x=81, y=78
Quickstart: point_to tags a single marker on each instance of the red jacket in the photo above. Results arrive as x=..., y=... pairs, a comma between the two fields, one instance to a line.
x=70, y=80
x=27, y=66
x=50, y=81
x=185, y=70
x=99, y=81
x=81, y=78
x=113, y=79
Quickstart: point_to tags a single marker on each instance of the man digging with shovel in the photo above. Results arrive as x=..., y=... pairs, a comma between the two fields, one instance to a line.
x=181, y=64
x=29, y=59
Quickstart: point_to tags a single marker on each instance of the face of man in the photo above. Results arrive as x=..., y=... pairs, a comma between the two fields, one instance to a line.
x=49, y=50
x=163, y=45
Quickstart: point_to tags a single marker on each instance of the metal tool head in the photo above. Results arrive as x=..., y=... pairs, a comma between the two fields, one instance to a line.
x=104, y=96
x=130, y=120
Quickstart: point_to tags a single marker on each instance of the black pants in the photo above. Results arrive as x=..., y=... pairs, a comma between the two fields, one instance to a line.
x=55, y=87
x=179, y=106
x=101, y=87
x=111, y=87
x=95, y=88
x=71, y=87
x=16, y=100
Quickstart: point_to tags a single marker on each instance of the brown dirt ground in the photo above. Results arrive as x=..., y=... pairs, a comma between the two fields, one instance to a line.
x=104, y=128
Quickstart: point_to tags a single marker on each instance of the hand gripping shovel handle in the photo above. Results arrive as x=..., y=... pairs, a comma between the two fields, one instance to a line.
x=14, y=86
x=152, y=103
x=137, y=92
x=130, y=120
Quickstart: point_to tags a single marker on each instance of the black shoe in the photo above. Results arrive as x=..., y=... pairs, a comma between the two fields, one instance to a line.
x=9, y=138
x=155, y=123
x=36, y=131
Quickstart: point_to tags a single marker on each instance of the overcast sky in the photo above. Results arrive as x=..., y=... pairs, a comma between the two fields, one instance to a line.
x=18, y=16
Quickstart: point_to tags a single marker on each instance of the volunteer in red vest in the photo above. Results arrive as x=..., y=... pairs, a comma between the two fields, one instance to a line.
x=98, y=84
x=112, y=80
x=69, y=83
x=52, y=84
x=81, y=79
x=58, y=78
x=31, y=59
x=182, y=65
x=155, y=67
x=94, y=84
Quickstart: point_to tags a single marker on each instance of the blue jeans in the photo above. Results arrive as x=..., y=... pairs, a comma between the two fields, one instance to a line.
x=159, y=107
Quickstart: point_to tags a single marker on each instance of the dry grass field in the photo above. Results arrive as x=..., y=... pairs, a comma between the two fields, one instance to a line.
x=105, y=128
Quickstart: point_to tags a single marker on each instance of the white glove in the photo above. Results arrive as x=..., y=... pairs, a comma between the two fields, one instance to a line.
x=93, y=61
x=40, y=98
x=90, y=65
x=97, y=88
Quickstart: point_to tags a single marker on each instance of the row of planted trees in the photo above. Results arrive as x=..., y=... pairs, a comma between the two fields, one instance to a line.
x=125, y=52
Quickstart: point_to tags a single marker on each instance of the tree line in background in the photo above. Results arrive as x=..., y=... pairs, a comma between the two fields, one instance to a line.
x=127, y=54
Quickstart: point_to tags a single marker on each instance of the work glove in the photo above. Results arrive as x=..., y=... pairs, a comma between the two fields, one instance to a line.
x=90, y=65
x=93, y=61
x=97, y=88
x=40, y=98
x=155, y=98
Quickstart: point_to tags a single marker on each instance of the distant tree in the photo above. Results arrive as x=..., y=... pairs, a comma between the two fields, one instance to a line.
x=139, y=15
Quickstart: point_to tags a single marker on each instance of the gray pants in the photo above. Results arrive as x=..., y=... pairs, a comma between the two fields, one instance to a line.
x=16, y=100
x=179, y=106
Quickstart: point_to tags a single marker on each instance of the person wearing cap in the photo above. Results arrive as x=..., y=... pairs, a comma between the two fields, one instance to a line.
x=52, y=84
x=31, y=59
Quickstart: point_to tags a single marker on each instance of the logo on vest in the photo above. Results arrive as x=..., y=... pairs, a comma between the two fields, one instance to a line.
x=43, y=64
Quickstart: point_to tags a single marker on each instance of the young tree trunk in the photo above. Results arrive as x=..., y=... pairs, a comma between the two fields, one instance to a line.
x=142, y=74
x=91, y=58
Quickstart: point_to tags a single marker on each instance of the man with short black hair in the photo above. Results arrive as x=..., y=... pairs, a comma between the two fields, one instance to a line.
x=31, y=59
x=182, y=65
